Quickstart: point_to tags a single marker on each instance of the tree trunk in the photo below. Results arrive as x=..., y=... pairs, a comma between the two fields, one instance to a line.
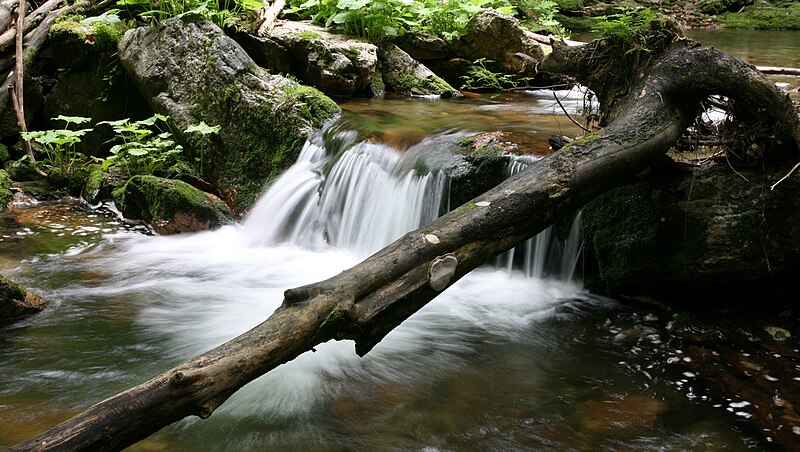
x=367, y=301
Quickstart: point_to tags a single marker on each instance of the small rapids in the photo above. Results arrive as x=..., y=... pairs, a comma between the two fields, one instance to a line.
x=514, y=356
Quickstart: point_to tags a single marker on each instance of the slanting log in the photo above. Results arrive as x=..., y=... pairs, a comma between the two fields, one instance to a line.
x=367, y=301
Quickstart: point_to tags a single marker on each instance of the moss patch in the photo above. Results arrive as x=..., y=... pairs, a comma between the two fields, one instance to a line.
x=5, y=188
x=764, y=17
x=407, y=82
x=165, y=202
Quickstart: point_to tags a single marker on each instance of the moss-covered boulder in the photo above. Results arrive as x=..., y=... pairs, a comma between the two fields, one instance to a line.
x=189, y=69
x=5, y=189
x=336, y=64
x=170, y=206
x=16, y=302
x=403, y=74
x=696, y=233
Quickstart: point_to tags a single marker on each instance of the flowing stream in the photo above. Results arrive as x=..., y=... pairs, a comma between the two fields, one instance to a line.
x=515, y=356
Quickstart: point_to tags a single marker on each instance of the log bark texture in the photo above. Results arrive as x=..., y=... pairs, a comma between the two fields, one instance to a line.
x=367, y=301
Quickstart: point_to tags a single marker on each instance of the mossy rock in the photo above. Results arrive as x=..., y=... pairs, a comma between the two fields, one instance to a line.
x=16, y=302
x=482, y=170
x=170, y=206
x=402, y=74
x=5, y=189
x=764, y=17
x=264, y=119
x=693, y=233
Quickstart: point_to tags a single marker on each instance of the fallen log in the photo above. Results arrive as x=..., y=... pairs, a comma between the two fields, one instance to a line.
x=368, y=300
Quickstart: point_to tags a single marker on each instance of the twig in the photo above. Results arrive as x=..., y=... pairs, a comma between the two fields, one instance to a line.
x=788, y=175
x=568, y=116
x=269, y=14
x=727, y=159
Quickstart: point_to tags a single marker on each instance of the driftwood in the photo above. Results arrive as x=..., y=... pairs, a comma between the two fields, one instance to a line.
x=268, y=16
x=774, y=70
x=367, y=301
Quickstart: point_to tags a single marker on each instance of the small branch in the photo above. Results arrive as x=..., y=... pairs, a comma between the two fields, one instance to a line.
x=28, y=24
x=269, y=14
x=568, y=116
x=774, y=70
x=788, y=175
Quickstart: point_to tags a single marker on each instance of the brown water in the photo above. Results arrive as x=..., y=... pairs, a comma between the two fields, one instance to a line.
x=499, y=362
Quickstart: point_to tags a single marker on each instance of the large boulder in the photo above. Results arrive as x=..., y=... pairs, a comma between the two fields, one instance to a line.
x=187, y=68
x=696, y=233
x=336, y=64
x=403, y=74
x=499, y=38
x=16, y=302
x=170, y=206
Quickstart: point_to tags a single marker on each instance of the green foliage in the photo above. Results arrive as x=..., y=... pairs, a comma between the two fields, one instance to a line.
x=762, y=17
x=542, y=16
x=377, y=20
x=145, y=147
x=218, y=12
x=632, y=28
x=61, y=159
x=721, y=6
x=479, y=77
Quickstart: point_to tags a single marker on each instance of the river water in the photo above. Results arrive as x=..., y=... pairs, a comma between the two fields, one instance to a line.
x=507, y=359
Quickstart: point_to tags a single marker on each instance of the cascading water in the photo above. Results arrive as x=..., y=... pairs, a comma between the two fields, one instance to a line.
x=359, y=197
x=498, y=361
x=544, y=255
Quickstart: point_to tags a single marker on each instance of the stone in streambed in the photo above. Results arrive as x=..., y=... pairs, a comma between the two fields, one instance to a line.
x=16, y=302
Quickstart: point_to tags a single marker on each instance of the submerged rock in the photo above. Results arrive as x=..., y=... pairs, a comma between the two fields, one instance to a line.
x=16, y=302
x=170, y=206
x=700, y=233
x=187, y=68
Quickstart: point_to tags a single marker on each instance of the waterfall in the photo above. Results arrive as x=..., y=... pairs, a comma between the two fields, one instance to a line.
x=354, y=196
x=544, y=255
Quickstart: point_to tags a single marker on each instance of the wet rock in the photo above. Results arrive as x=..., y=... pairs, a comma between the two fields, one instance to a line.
x=189, y=69
x=335, y=64
x=622, y=414
x=697, y=233
x=16, y=302
x=498, y=37
x=778, y=333
x=170, y=206
x=403, y=74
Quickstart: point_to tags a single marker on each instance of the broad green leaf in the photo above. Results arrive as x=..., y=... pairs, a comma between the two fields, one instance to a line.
x=109, y=17
x=72, y=119
x=137, y=152
x=202, y=128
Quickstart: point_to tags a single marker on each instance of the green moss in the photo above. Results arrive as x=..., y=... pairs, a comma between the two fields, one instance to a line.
x=465, y=208
x=269, y=136
x=763, y=17
x=407, y=82
x=376, y=85
x=152, y=198
x=3, y=153
x=306, y=35
x=69, y=25
x=105, y=35
x=5, y=188
x=578, y=23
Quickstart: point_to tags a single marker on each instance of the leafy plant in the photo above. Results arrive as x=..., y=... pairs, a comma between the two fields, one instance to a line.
x=378, y=20
x=61, y=158
x=202, y=129
x=218, y=12
x=145, y=147
x=479, y=77
x=630, y=27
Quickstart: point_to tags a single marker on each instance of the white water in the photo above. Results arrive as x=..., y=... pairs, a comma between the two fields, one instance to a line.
x=322, y=216
x=544, y=255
